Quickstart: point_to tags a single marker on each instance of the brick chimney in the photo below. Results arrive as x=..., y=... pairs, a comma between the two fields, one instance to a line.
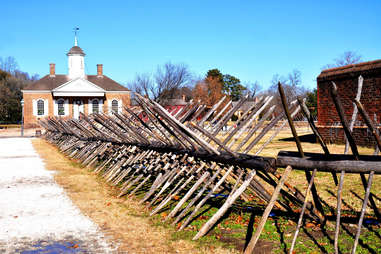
x=52, y=70
x=99, y=70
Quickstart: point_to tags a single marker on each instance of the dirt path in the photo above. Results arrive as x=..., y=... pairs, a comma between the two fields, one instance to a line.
x=36, y=215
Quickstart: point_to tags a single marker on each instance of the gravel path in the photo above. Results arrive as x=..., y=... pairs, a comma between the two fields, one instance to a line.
x=36, y=216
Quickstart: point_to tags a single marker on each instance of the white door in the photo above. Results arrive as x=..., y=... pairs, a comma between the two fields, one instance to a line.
x=77, y=108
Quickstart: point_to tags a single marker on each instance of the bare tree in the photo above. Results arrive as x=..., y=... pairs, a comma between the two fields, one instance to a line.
x=292, y=85
x=8, y=64
x=295, y=78
x=142, y=84
x=169, y=78
x=348, y=57
x=252, y=88
x=169, y=81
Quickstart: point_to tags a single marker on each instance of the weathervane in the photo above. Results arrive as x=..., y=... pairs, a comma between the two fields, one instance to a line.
x=75, y=29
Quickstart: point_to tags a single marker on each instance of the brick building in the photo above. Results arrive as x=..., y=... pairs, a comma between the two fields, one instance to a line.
x=67, y=95
x=346, y=79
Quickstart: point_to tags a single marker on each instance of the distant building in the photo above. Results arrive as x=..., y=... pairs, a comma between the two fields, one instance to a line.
x=346, y=79
x=174, y=105
x=68, y=95
x=247, y=105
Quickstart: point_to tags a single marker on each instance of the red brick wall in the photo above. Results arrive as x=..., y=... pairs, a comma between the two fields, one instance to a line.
x=30, y=121
x=347, y=90
x=125, y=97
x=362, y=135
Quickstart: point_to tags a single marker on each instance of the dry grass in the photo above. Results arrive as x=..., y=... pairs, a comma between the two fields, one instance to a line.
x=124, y=220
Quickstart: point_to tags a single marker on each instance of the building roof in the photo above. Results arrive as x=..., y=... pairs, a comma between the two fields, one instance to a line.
x=76, y=50
x=51, y=82
x=351, y=69
x=246, y=105
x=174, y=102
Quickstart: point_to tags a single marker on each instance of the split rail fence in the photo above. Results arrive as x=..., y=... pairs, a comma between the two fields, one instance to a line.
x=181, y=160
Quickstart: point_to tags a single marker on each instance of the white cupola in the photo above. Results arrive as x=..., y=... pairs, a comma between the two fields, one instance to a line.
x=76, y=61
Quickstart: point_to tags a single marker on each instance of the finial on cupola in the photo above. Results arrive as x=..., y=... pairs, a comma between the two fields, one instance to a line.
x=76, y=29
x=76, y=59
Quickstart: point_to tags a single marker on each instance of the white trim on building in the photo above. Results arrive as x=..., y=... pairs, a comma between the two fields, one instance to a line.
x=45, y=107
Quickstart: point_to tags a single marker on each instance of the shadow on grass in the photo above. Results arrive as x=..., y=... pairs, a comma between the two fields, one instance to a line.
x=307, y=138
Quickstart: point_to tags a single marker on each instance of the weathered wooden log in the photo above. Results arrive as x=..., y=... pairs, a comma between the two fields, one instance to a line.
x=250, y=120
x=348, y=141
x=169, y=181
x=216, y=117
x=203, y=201
x=343, y=120
x=228, y=203
x=177, y=190
x=363, y=208
x=370, y=178
x=211, y=111
x=256, y=127
x=332, y=163
x=228, y=115
x=207, y=185
x=355, y=110
x=348, y=134
x=209, y=135
x=300, y=221
x=233, y=129
x=198, y=113
x=243, y=116
x=253, y=241
x=369, y=123
x=187, y=195
x=315, y=195
x=276, y=132
x=311, y=122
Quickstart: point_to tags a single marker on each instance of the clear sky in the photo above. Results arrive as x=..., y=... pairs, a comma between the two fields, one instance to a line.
x=252, y=40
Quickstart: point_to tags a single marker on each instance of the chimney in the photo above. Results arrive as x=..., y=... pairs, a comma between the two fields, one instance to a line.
x=52, y=70
x=99, y=70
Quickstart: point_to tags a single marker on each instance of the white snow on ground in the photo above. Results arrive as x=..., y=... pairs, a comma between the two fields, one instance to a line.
x=34, y=208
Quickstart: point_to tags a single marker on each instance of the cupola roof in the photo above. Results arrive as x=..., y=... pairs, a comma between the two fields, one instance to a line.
x=76, y=50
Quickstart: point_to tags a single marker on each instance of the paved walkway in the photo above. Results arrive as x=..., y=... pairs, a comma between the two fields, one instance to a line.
x=36, y=216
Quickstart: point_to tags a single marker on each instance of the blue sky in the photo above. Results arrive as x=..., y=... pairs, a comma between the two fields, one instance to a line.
x=252, y=40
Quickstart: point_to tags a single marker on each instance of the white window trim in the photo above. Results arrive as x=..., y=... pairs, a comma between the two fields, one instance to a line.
x=120, y=105
x=100, y=105
x=46, y=107
x=34, y=103
x=90, y=105
x=66, y=107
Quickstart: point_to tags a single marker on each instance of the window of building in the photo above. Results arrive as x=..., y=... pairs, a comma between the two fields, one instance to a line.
x=40, y=107
x=61, y=107
x=114, y=106
x=95, y=103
